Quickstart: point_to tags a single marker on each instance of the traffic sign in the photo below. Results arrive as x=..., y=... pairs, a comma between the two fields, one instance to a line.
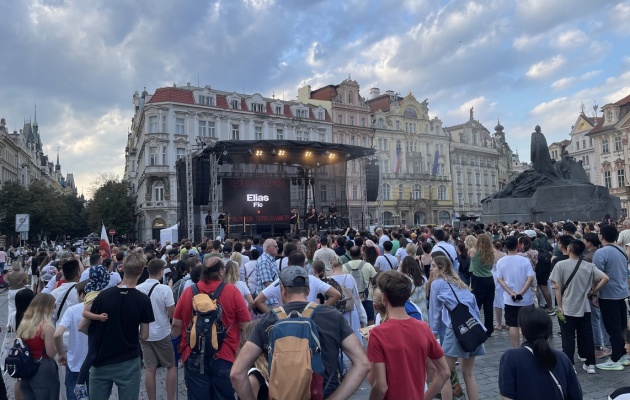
x=112, y=232
x=24, y=236
x=22, y=222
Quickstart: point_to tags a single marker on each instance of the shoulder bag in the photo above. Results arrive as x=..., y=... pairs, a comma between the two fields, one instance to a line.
x=575, y=270
x=468, y=331
x=553, y=376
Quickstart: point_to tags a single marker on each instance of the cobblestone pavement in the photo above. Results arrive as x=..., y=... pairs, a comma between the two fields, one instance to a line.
x=595, y=387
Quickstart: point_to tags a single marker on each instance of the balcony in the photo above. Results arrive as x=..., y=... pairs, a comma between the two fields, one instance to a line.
x=622, y=191
x=156, y=204
x=156, y=170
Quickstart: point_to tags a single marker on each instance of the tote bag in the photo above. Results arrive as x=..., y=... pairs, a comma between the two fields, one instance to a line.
x=468, y=331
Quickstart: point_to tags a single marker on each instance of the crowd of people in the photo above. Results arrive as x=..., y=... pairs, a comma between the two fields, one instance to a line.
x=385, y=305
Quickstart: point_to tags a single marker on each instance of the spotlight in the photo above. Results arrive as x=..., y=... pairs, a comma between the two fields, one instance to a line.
x=225, y=152
x=281, y=152
x=308, y=154
x=259, y=153
x=332, y=155
x=273, y=152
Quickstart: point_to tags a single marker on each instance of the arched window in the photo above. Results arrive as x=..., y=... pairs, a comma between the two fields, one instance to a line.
x=158, y=192
x=401, y=191
x=417, y=192
x=441, y=192
x=388, y=218
x=387, y=192
x=349, y=97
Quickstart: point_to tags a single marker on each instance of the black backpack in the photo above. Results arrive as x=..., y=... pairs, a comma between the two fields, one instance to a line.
x=544, y=251
x=19, y=363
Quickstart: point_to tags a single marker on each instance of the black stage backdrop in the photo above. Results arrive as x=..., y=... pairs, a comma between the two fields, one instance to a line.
x=259, y=200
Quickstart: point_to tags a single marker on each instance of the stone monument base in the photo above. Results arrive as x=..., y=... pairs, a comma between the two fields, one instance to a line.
x=554, y=203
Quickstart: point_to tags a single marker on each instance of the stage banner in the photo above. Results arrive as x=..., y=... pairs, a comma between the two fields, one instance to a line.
x=258, y=200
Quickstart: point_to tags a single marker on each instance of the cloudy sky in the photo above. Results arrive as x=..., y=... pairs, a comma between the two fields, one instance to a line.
x=526, y=62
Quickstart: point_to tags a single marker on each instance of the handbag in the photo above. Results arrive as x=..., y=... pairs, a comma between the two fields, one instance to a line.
x=468, y=331
x=347, y=295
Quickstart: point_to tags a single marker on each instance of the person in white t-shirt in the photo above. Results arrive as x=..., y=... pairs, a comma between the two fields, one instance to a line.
x=157, y=349
x=387, y=261
x=324, y=254
x=249, y=270
x=316, y=286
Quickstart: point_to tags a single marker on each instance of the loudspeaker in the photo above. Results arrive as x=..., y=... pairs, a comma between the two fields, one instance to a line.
x=372, y=180
x=201, y=181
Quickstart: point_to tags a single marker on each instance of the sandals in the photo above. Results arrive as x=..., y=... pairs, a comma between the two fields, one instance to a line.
x=499, y=328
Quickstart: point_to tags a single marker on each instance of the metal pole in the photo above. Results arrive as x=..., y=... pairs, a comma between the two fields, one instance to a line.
x=189, y=195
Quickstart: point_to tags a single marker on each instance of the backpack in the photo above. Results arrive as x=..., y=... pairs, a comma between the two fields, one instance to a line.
x=362, y=288
x=544, y=251
x=206, y=331
x=342, y=303
x=19, y=363
x=178, y=288
x=294, y=354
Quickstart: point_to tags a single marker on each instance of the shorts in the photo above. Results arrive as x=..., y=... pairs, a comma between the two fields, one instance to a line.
x=511, y=314
x=542, y=274
x=451, y=347
x=158, y=352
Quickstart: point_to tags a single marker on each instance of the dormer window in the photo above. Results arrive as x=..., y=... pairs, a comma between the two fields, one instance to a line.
x=234, y=104
x=301, y=113
x=257, y=107
x=278, y=110
x=320, y=115
x=206, y=100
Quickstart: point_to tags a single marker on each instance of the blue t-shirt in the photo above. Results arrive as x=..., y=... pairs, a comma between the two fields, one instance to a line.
x=519, y=368
x=611, y=259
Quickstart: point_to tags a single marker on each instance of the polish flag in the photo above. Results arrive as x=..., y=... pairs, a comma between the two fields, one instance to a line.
x=103, y=247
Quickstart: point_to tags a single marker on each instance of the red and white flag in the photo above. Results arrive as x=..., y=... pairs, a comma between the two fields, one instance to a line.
x=103, y=247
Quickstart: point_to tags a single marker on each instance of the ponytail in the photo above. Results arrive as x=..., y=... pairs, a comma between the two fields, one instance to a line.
x=537, y=328
x=543, y=352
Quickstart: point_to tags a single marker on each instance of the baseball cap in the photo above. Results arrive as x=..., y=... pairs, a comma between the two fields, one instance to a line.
x=192, y=252
x=227, y=249
x=530, y=233
x=294, y=276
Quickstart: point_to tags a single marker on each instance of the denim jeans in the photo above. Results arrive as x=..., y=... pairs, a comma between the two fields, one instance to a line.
x=615, y=316
x=600, y=336
x=584, y=330
x=213, y=384
x=483, y=289
x=70, y=382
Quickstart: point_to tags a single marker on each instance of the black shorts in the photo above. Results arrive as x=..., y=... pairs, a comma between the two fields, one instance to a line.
x=542, y=273
x=511, y=314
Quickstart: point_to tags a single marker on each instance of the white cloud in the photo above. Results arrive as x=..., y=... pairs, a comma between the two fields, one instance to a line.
x=590, y=74
x=563, y=83
x=570, y=39
x=546, y=68
x=619, y=17
x=525, y=42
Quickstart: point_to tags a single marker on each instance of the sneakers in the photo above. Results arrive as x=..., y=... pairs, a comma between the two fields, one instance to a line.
x=551, y=312
x=590, y=369
x=610, y=365
x=80, y=391
x=624, y=360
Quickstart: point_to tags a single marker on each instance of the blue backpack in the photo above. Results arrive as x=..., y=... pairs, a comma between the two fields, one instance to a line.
x=413, y=311
x=294, y=355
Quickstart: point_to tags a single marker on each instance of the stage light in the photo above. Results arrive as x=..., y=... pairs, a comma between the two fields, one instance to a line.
x=281, y=152
x=273, y=152
x=308, y=154
x=332, y=155
x=225, y=152
x=259, y=153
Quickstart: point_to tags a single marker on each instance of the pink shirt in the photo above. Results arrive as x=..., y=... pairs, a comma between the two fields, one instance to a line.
x=3, y=257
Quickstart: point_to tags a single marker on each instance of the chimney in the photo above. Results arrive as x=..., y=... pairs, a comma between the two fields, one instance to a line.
x=390, y=93
x=374, y=92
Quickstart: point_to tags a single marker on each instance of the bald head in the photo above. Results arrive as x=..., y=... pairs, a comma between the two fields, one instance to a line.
x=270, y=247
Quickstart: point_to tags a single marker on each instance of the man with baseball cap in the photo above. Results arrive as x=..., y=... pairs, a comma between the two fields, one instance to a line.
x=333, y=330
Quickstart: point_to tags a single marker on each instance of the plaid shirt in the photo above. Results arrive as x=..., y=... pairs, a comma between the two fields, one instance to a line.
x=266, y=271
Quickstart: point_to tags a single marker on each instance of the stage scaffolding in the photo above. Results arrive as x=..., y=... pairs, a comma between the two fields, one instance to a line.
x=316, y=181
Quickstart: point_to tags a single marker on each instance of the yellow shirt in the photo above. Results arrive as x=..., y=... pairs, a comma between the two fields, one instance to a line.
x=89, y=297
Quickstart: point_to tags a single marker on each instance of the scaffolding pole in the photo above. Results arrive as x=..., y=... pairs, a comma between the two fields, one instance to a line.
x=190, y=226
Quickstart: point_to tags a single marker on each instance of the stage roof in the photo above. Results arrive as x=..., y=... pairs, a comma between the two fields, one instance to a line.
x=286, y=152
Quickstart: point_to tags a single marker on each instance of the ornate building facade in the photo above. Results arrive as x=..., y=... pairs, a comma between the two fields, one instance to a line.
x=582, y=146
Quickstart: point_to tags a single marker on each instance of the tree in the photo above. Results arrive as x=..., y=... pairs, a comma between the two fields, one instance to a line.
x=112, y=205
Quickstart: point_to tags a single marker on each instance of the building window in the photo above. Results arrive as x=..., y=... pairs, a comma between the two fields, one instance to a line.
x=322, y=193
x=158, y=192
x=258, y=133
x=164, y=124
x=362, y=121
x=351, y=119
x=578, y=145
x=340, y=118
x=485, y=179
x=349, y=97
x=494, y=180
x=605, y=146
x=206, y=100
x=441, y=192
x=279, y=134
x=203, y=129
x=322, y=137
x=278, y=110
x=181, y=152
x=590, y=142
x=180, y=128
x=355, y=193
x=235, y=132
x=417, y=192
x=617, y=143
x=401, y=192
x=477, y=178
x=621, y=178
x=387, y=191
x=417, y=169
x=153, y=156
x=459, y=177
x=234, y=104
x=478, y=198
x=211, y=132
x=164, y=156
x=320, y=115
x=353, y=164
x=441, y=170
x=381, y=123
x=257, y=107
x=388, y=218
x=460, y=199
x=587, y=161
x=153, y=124
x=302, y=113
x=352, y=140
x=469, y=178
x=607, y=180
x=583, y=143
x=397, y=125
x=298, y=135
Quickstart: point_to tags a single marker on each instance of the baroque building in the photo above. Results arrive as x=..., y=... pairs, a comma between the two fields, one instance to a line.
x=414, y=160
x=482, y=164
x=581, y=146
x=168, y=123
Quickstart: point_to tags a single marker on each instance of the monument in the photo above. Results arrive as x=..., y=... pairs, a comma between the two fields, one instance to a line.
x=550, y=191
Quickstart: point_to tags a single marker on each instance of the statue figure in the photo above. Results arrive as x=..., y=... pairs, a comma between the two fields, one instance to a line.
x=471, y=113
x=540, y=157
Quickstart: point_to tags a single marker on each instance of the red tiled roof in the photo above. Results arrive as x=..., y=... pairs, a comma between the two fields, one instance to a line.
x=244, y=105
x=623, y=101
x=311, y=114
x=381, y=102
x=268, y=109
x=287, y=111
x=325, y=93
x=222, y=101
x=599, y=127
x=171, y=94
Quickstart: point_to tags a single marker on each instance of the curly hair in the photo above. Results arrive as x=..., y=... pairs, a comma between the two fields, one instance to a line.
x=486, y=252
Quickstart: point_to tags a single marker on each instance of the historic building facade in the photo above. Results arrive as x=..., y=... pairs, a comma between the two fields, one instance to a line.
x=170, y=122
x=581, y=146
x=610, y=143
x=414, y=159
x=482, y=164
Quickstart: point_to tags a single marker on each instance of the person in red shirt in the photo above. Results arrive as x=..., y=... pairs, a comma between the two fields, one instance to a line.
x=398, y=349
x=215, y=382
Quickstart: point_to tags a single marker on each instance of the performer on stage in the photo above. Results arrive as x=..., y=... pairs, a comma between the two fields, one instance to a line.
x=222, y=223
x=209, y=220
x=321, y=220
x=293, y=220
x=332, y=215
x=312, y=222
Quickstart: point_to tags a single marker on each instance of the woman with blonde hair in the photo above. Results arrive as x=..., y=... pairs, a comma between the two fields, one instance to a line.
x=481, y=280
x=37, y=332
x=231, y=275
x=444, y=289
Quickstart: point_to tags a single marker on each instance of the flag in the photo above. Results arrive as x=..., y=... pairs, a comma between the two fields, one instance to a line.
x=435, y=162
x=398, y=159
x=103, y=247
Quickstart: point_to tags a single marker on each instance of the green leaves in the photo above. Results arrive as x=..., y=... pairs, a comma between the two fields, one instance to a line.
x=112, y=205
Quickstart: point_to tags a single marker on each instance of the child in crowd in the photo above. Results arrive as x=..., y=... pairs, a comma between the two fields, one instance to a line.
x=99, y=279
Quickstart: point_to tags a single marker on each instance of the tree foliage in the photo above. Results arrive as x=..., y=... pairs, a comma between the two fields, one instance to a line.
x=111, y=205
